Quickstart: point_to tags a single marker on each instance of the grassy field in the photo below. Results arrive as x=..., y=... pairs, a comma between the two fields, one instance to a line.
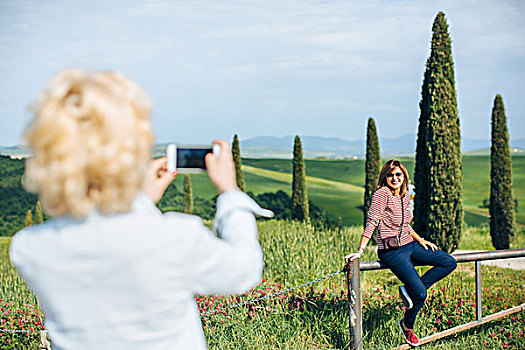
x=316, y=317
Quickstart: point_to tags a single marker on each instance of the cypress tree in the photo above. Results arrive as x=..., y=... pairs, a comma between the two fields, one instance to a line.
x=299, y=195
x=501, y=207
x=372, y=165
x=236, y=152
x=438, y=213
x=39, y=216
x=29, y=218
x=188, y=195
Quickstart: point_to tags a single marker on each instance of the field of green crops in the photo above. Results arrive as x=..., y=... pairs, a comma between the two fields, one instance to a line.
x=316, y=317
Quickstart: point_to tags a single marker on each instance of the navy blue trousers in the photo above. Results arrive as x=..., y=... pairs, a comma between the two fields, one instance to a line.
x=401, y=262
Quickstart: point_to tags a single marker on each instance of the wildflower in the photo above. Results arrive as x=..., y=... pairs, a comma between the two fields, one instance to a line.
x=492, y=334
x=506, y=345
x=485, y=343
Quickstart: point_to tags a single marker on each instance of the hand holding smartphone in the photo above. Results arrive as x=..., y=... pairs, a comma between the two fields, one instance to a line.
x=193, y=159
x=221, y=168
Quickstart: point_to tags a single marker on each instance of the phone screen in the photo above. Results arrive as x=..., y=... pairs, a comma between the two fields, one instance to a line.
x=192, y=157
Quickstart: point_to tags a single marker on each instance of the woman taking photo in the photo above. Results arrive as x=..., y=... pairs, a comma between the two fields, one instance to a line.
x=399, y=246
x=109, y=269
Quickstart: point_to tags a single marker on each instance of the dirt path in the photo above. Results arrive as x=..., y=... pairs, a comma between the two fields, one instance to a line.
x=514, y=263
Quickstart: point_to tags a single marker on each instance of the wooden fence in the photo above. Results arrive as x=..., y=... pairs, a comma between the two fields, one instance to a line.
x=355, y=268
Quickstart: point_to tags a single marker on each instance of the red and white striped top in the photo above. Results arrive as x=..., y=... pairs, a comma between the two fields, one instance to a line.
x=385, y=214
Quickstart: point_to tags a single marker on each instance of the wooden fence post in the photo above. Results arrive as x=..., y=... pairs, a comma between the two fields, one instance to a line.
x=478, y=291
x=355, y=313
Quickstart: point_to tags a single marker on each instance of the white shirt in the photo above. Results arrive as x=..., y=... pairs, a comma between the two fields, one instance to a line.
x=128, y=281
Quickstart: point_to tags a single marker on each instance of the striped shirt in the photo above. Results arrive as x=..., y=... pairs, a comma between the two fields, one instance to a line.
x=385, y=214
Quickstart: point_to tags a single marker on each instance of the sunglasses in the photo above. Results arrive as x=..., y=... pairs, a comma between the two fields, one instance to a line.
x=396, y=174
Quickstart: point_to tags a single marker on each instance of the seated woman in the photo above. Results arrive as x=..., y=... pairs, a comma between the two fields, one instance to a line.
x=109, y=269
x=399, y=246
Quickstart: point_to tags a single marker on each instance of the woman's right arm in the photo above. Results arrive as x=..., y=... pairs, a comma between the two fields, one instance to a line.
x=377, y=207
x=231, y=264
x=357, y=255
x=234, y=263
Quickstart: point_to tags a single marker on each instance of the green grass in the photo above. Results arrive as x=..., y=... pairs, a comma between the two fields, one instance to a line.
x=478, y=238
x=12, y=286
x=317, y=317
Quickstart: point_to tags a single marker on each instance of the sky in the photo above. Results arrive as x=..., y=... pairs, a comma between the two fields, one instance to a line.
x=259, y=68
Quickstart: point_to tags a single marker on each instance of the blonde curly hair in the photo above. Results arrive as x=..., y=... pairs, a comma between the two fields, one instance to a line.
x=91, y=138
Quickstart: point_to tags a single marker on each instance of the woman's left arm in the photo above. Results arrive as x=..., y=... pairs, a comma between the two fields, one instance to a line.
x=426, y=244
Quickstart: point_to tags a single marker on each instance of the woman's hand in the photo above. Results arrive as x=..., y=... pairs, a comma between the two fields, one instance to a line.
x=221, y=168
x=157, y=179
x=352, y=256
x=426, y=244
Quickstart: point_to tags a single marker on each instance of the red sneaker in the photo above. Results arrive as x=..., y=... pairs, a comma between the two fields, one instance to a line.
x=410, y=337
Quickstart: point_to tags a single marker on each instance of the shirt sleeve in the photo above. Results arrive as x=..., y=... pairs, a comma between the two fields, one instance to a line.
x=375, y=212
x=233, y=263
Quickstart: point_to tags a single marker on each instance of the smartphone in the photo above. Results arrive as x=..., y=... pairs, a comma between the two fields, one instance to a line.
x=188, y=159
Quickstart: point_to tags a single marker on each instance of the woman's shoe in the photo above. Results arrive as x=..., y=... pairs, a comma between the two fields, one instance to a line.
x=405, y=297
x=410, y=337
